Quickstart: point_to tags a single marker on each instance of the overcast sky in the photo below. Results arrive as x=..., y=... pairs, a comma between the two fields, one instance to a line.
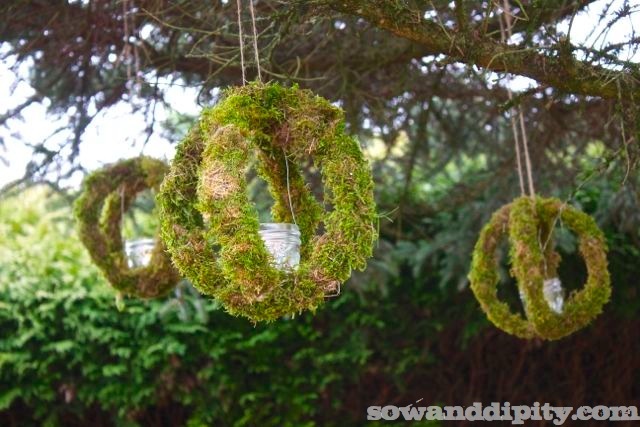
x=118, y=134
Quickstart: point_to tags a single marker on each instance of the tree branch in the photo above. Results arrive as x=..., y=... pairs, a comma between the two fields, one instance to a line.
x=558, y=68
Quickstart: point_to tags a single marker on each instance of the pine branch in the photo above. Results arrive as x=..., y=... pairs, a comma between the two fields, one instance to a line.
x=553, y=66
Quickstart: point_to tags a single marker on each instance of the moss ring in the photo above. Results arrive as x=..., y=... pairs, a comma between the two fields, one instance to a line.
x=528, y=265
x=527, y=225
x=215, y=241
x=106, y=194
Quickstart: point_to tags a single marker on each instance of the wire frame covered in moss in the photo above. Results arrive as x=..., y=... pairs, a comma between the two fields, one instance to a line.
x=106, y=195
x=211, y=228
x=529, y=224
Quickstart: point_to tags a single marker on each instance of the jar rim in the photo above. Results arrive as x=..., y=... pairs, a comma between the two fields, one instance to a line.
x=279, y=226
x=140, y=242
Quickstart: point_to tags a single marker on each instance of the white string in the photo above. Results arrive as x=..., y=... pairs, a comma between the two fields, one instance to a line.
x=286, y=165
x=255, y=40
x=125, y=21
x=523, y=131
x=514, y=126
x=256, y=53
x=527, y=160
x=241, y=38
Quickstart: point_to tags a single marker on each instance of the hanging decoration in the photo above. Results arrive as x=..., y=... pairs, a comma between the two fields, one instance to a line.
x=529, y=221
x=145, y=270
x=212, y=230
x=265, y=271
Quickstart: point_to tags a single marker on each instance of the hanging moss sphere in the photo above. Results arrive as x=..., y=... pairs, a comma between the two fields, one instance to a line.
x=211, y=228
x=106, y=194
x=529, y=224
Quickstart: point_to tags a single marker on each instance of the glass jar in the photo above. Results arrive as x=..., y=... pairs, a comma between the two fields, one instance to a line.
x=139, y=251
x=283, y=243
x=553, y=294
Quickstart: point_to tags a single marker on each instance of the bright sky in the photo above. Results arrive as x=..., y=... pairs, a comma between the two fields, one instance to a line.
x=114, y=134
x=118, y=133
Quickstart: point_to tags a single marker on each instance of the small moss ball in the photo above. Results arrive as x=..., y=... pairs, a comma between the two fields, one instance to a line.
x=528, y=223
x=106, y=194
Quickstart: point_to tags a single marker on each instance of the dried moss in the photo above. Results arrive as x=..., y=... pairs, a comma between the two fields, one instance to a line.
x=226, y=258
x=484, y=277
x=106, y=193
x=530, y=224
x=528, y=267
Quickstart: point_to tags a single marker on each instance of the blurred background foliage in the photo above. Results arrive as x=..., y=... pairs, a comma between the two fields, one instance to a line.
x=405, y=329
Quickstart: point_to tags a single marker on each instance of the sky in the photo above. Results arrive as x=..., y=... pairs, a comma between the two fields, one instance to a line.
x=117, y=133
x=114, y=134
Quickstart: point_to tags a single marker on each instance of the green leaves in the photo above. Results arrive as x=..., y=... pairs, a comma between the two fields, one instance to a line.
x=65, y=347
x=66, y=350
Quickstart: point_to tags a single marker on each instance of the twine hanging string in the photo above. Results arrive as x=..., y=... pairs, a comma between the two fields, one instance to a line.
x=256, y=53
x=255, y=40
x=518, y=110
x=286, y=164
x=241, y=42
x=523, y=133
x=514, y=126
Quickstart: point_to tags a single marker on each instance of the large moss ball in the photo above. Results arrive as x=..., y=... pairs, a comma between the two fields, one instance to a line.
x=211, y=228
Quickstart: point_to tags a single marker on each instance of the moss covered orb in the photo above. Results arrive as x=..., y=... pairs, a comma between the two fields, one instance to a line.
x=211, y=228
x=106, y=194
x=529, y=224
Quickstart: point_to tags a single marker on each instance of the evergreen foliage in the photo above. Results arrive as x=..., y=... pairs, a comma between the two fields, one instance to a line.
x=400, y=332
x=423, y=85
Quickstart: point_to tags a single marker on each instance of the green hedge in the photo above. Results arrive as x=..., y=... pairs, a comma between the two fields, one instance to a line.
x=65, y=347
x=69, y=357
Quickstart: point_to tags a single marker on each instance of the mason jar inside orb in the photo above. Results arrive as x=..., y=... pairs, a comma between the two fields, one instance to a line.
x=139, y=251
x=283, y=243
x=553, y=294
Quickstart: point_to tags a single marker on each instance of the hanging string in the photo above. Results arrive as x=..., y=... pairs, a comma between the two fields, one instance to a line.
x=523, y=133
x=255, y=40
x=256, y=53
x=527, y=160
x=126, y=48
x=286, y=165
x=241, y=39
x=514, y=126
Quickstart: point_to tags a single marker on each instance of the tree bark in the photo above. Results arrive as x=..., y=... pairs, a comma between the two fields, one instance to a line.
x=553, y=66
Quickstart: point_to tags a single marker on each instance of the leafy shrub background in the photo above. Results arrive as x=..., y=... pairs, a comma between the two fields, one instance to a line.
x=405, y=329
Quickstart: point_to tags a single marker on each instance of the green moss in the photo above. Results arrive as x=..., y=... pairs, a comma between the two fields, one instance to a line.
x=106, y=194
x=530, y=225
x=582, y=306
x=204, y=204
x=484, y=277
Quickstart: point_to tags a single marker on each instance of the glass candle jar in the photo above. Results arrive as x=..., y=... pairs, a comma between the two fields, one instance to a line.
x=283, y=243
x=139, y=251
x=553, y=294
